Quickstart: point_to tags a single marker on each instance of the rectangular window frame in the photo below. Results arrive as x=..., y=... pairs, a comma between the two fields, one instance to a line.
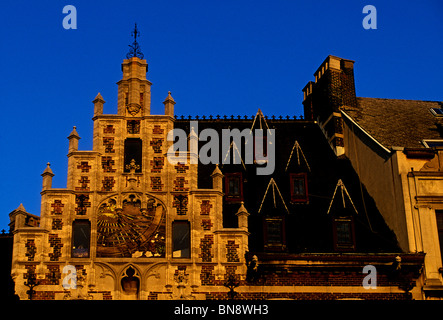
x=297, y=198
x=174, y=244
x=133, y=149
x=238, y=176
x=348, y=246
x=75, y=252
x=269, y=243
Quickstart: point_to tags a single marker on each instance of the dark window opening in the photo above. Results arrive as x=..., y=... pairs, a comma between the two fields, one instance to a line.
x=299, y=187
x=344, y=238
x=81, y=236
x=181, y=240
x=234, y=186
x=274, y=234
x=133, y=151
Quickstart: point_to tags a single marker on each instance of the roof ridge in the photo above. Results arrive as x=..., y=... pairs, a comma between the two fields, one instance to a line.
x=435, y=101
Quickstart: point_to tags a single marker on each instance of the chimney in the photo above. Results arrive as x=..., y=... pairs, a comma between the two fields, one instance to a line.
x=323, y=99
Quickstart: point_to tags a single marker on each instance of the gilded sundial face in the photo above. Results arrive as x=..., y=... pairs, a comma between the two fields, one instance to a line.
x=122, y=232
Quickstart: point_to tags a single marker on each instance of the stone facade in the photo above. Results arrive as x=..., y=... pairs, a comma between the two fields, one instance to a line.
x=115, y=221
x=133, y=225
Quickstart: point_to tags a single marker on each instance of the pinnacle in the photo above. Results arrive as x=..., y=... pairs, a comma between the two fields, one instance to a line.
x=169, y=97
x=99, y=97
x=74, y=133
x=21, y=208
x=48, y=170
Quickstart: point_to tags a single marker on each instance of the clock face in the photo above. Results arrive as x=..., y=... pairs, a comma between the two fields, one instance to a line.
x=130, y=231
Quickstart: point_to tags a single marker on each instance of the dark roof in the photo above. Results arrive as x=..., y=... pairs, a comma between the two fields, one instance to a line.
x=394, y=122
x=308, y=225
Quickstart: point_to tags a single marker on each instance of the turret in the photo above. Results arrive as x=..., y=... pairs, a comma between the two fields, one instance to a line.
x=217, y=179
x=169, y=105
x=98, y=105
x=47, y=177
x=73, y=140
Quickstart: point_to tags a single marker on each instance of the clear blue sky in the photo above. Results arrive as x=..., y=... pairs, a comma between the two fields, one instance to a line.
x=217, y=57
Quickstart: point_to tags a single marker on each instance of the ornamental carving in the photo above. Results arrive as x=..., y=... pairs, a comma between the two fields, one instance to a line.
x=132, y=230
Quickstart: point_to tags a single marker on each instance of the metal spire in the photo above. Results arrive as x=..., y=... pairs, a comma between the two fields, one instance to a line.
x=135, y=50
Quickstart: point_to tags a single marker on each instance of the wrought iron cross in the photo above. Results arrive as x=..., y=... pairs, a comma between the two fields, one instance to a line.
x=135, y=50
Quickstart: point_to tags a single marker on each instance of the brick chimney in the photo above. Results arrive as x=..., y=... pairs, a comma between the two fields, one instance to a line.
x=323, y=99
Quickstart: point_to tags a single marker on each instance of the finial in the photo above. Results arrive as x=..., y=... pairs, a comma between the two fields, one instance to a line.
x=135, y=50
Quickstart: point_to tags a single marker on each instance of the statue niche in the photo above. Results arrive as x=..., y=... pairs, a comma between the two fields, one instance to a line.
x=130, y=285
x=131, y=231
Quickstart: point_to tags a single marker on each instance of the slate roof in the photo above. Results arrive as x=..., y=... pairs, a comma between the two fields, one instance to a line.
x=395, y=122
x=308, y=225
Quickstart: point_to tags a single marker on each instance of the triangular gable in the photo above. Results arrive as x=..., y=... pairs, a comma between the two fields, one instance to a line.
x=260, y=120
x=298, y=151
x=236, y=151
x=343, y=192
x=274, y=188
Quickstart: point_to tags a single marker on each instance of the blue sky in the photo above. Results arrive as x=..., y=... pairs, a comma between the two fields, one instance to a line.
x=216, y=57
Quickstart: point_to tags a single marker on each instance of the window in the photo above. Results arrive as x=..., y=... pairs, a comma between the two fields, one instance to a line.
x=234, y=186
x=299, y=187
x=274, y=234
x=181, y=240
x=133, y=150
x=437, y=112
x=343, y=229
x=432, y=143
x=439, y=217
x=81, y=234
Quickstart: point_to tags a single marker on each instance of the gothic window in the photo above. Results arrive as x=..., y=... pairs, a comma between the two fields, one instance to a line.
x=234, y=186
x=133, y=150
x=274, y=234
x=81, y=234
x=299, y=187
x=181, y=241
x=343, y=230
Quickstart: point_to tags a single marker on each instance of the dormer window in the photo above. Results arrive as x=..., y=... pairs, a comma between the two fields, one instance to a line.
x=437, y=112
x=344, y=237
x=432, y=143
x=299, y=187
x=234, y=186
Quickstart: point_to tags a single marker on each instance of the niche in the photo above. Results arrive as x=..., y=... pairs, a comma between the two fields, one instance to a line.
x=130, y=284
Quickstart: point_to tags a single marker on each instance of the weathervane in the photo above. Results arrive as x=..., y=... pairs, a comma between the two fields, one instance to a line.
x=135, y=50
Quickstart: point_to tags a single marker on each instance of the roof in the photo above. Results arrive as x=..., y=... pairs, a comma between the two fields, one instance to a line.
x=308, y=224
x=395, y=122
